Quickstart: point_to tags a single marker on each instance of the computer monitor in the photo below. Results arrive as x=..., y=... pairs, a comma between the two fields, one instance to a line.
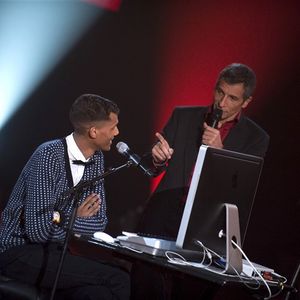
x=220, y=199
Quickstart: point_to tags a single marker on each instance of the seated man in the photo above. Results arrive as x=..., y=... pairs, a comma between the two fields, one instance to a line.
x=34, y=220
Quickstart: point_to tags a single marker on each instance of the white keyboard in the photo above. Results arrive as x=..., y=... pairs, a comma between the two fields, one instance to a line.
x=148, y=245
x=155, y=246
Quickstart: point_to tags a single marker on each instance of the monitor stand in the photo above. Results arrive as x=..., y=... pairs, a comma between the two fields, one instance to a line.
x=234, y=262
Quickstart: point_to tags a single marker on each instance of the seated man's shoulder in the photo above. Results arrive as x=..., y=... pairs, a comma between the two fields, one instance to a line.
x=50, y=146
x=48, y=149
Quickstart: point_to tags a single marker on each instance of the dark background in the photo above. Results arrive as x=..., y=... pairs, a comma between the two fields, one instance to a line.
x=152, y=55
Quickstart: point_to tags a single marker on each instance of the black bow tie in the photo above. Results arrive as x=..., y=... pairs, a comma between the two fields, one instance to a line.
x=83, y=163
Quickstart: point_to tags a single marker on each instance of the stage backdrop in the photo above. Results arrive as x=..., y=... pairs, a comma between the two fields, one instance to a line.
x=150, y=56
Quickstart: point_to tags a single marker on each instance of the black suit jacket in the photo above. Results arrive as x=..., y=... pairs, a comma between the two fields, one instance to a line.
x=184, y=132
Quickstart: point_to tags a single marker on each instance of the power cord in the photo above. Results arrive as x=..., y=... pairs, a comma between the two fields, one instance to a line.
x=255, y=270
x=176, y=258
x=245, y=277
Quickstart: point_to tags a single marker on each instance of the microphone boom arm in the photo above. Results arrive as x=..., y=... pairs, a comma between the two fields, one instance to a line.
x=85, y=184
x=76, y=192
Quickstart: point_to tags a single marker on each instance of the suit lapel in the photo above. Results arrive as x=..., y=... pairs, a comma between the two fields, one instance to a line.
x=236, y=137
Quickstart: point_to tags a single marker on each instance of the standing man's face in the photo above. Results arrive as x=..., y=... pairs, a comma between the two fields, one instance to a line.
x=229, y=97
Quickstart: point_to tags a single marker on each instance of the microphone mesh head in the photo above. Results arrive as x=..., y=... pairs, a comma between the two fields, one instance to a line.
x=218, y=113
x=122, y=147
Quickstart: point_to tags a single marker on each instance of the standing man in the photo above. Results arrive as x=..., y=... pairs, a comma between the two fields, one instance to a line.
x=34, y=220
x=177, y=147
x=175, y=152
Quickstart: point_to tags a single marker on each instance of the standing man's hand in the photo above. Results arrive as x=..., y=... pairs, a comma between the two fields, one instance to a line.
x=90, y=206
x=211, y=137
x=161, y=151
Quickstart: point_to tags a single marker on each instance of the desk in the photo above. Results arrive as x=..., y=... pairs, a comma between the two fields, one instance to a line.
x=82, y=245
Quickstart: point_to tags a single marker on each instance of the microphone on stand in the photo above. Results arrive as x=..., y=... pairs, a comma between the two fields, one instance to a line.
x=133, y=157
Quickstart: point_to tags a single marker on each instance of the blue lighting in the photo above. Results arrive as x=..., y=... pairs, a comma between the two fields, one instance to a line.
x=34, y=37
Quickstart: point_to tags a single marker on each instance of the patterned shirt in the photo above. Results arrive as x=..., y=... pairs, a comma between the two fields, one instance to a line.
x=40, y=190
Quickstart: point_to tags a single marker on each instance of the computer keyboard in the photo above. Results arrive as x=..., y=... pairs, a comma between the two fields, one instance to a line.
x=154, y=246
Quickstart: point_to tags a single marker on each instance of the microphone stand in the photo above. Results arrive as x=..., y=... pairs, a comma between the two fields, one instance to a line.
x=76, y=192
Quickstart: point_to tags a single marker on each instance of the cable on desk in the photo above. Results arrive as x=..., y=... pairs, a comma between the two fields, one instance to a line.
x=255, y=270
x=176, y=258
x=242, y=278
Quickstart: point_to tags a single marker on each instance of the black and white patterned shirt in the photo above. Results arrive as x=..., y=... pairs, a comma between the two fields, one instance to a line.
x=40, y=190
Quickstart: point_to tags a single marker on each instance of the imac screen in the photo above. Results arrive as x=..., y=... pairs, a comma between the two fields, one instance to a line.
x=220, y=176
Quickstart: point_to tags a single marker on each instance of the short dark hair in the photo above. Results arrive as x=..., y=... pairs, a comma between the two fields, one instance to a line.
x=89, y=108
x=239, y=73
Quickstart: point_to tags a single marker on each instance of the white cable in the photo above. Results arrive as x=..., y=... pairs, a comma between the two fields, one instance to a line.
x=182, y=260
x=210, y=251
x=178, y=259
x=206, y=252
x=255, y=270
x=238, y=275
x=280, y=276
x=242, y=278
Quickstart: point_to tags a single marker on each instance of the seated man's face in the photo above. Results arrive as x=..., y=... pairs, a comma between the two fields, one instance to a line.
x=105, y=132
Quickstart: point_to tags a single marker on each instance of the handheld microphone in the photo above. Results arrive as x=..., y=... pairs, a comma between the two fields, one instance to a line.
x=134, y=158
x=214, y=117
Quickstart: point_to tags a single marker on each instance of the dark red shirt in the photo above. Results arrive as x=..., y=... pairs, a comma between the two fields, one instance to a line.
x=224, y=130
x=227, y=126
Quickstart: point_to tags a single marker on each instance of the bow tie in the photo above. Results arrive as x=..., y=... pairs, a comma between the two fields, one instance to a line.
x=83, y=163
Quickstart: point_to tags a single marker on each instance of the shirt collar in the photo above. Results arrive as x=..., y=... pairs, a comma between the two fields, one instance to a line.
x=73, y=150
x=235, y=120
